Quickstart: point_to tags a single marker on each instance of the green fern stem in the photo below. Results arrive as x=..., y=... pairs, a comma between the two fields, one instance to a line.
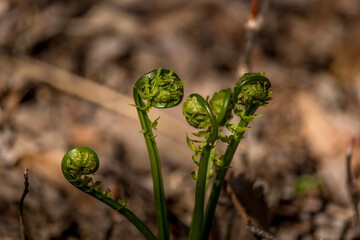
x=251, y=91
x=161, y=88
x=159, y=194
x=221, y=105
x=220, y=177
x=129, y=215
x=80, y=162
x=198, y=213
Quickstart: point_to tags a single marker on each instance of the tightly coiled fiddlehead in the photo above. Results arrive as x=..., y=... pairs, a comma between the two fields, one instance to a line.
x=221, y=107
x=160, y=88
x=209, y=116
x=77, y=165
x=251, y=91
x=195, y=113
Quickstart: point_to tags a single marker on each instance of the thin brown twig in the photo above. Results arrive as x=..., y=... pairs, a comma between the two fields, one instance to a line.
x=23, y=231
x=261, y=233
x=253, y=25
x=38, y=71
x=238, y=206
x=242, y=212
x=351, y=185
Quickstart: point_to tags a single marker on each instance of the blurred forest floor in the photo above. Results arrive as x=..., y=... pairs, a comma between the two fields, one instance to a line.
x=66, y=74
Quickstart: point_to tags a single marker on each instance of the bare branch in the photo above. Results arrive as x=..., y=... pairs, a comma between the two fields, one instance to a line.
x=261, y=233
x=351, y=185
x=24, y=235
x=237, y=204
x=253, y=25
x=244, y=216
x=37, y=71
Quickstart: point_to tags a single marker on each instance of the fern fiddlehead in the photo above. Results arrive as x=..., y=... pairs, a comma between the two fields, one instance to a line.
x=163, y=89
x=77, y=165
x=160, y=88
x=198, y=113
x=251, y=91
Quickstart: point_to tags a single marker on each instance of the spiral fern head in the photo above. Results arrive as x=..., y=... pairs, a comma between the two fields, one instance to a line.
x=78, y=162
x=252, y=88
x=195, y=113
x=161, y=88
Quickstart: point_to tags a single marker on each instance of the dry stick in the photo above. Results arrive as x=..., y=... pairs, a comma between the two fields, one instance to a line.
x=253, y=25
x=238, y=206
x=261, y=233
x=242, y=212
x=351, y=186
x=21, y=204
x=37, y=71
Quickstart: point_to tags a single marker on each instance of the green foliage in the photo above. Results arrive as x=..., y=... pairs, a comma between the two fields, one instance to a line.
x=155, y=123
x=162, y=88
x=222, y=106
x=77, y=165
x=252, y=88
x=195, y=113
x=80, y=162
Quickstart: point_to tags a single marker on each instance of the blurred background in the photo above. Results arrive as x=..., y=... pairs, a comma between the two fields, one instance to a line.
x=67, y=70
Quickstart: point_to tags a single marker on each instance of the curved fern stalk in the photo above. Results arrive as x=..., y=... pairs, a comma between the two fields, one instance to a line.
x=198, y=113
x=252, y=91
x=161, y=88
x=221, y=104
x=77, y=165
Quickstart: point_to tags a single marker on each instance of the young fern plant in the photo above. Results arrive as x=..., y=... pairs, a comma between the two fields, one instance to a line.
x=198, y=114
x=77, y=166
x=159, y=88
x=162, y=88
x=250, y=92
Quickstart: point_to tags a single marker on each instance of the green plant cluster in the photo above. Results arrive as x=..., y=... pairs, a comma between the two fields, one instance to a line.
x=162, y=88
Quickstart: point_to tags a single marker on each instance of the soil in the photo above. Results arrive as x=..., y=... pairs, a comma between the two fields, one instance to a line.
x=67, y=70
